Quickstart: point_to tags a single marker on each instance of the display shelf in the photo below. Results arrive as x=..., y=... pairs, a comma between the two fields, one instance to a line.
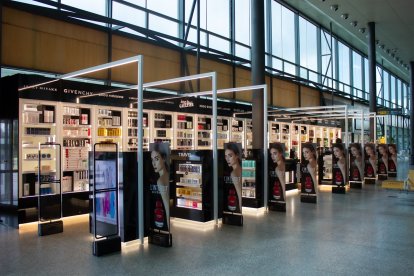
x=161, y=128
x=184, y=131
x=249, y=179
x=204, y=132
x=274, y=132
x=222, y=132
x=249, y=134
x=108, y=125
x=132, y=130
x=77, y=140
x=237, y=131
x=37, y=125
x=285, y=137
x=188, y=181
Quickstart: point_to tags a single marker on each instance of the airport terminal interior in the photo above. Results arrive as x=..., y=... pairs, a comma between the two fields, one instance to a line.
x=202, y=137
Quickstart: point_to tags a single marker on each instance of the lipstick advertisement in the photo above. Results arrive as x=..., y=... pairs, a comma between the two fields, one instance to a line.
x=356, y=163
x=232, y=178
x=382, y=161
x=392, y=160
x=339, y=168
x=277, y=171
x=308, y=166
x=370, y=158
x=157, y=177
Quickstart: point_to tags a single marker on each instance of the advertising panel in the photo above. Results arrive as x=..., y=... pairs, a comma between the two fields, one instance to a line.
x=277, y=174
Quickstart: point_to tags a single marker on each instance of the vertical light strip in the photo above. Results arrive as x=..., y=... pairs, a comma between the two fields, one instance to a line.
x=265, y=175
x=140, y=153
x=215, y=151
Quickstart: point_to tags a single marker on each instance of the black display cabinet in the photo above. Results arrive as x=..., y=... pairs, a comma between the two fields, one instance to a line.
x=192, y=184
x=252, y=179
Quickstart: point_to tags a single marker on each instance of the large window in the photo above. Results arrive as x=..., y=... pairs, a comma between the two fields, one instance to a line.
x=343, y=67
x=242, y=28
x=393, y=93
x=160, y=24
x=328, y=58
x=129, y=15
x=386, y=91
x=380, y=85
x=283, y=38
x=357, y=74
x=95, y=6
x=366, y=78
x=216, y=14
x=308, y=49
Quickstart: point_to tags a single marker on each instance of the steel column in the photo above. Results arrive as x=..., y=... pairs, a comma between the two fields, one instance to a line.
x=372, y=76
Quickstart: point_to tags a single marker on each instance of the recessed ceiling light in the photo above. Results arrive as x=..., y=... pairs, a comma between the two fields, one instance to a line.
x=362, y=30
x=344, y=16
x=354, y=23
x=334, y=7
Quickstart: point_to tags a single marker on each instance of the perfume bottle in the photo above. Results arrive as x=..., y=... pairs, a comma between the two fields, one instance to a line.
x=338, y=178
x=370, y=171
x=231, y=200
x=276, y=190
x=159, y=214
x=382, y=168
x=355, y=174
x=308, y=184
x=391, y=166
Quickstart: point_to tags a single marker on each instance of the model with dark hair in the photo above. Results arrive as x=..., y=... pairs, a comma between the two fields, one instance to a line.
x=278, y=157
x=309, y=153
x=160, y=163
x=339, y=153
x=371, y=159
x=233, y=157
x=357, y=162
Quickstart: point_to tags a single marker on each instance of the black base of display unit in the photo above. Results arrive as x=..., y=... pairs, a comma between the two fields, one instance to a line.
x=370, y=181
x=233, y=219
x=106, y=246
x=291, y=186
x=392, y=174
x=355, y=185
x=161, y=239
x=382, y=177
x=50, y=228
x=339, y=190
x=277, y=206
x=251, y=202
x=308, y=198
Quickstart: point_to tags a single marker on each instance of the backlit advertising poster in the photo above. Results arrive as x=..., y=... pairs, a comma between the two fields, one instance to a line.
x=370, y=157
x=309, y=170
x=382, y=161
x=232, y=179
x=392, y=160
x=157, y=177
x=277, y=174
x=356, y=163
x=339, y=167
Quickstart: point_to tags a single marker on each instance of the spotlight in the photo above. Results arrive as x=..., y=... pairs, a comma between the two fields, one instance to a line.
x=334, y=7
x=344, y=16
x=388, y=51
x=377, y=41
x=382, y=46
x=354, y=23
x=362, y=30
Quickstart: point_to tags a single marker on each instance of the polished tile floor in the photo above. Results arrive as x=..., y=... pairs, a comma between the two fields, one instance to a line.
x=365, y=232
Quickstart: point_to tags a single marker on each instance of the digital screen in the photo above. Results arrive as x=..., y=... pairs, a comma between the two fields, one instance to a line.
x=105, y=174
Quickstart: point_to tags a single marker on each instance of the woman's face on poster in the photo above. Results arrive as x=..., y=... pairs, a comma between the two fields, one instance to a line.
x=338, y=152
x=392, y=150
x=157, y=161
x=307, y=153
x=355, y=152
x=275, y=155
x=231, y=158
x=382, y=150
x=369, y=150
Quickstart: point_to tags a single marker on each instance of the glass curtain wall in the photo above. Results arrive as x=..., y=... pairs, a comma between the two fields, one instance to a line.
x=291, y=39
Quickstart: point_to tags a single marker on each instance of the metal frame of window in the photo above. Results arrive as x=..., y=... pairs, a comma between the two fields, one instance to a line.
x=112, y=26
